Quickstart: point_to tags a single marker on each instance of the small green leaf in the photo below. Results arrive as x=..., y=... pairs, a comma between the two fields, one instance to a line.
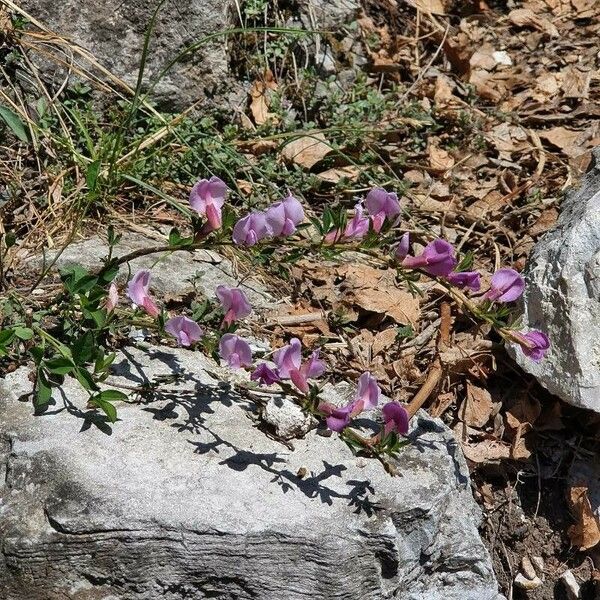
x=91, y=175
x=83, y=348
x=43, y=391
x=23, y=333
x=59, y=366
x=10, y=239
x=6, y=336
x=14, y=123
x=112, y=395
x=85, y=379
x=106, y=407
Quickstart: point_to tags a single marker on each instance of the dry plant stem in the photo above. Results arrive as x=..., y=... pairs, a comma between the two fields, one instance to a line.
x=433, y=378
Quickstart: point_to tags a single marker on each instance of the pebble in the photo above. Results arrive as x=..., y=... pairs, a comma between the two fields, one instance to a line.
x=527, y=584
x=571, y=585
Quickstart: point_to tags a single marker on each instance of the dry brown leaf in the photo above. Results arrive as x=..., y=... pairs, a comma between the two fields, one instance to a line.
x=567, y=140
x=441, y=404
x=260, y=93
x=443, y=90
x=334, y=175
x=405, y=369
x=525, y=17
x=439, y=159
x=585, y=533
x=374, y=290
x=307, y=150
x=576, y=83
x=490, y=204
x=486, y=451
x=524, y=411
x=483, y=58
x=477, y=407
x=544, y=222
x=383, y=340
x=434, y=7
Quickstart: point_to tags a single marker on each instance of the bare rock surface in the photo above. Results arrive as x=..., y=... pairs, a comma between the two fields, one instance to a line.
x=186, y=497
x=113, y=32
x=562, y=298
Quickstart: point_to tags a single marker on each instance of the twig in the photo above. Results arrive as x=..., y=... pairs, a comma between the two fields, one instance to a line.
x=433, y=378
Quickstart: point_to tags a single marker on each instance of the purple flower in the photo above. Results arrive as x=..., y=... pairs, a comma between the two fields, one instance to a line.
x=336, y=418
x=468, y=279
x=283, y=217
x=366, y=397
x=506, y=285
x=235, y=351
x=207, y=198
x=264, y=374
x=234, y=302
x=112, y=299
x=534, y=344
x=403, y=247
x=381, y=205
x=395, y=418
x=137, y=290
x=289, y=365
x=356, y=228
x=436, y=259
x=250, y=229
x=185, y=330
x=288, y=358
x=367, y=393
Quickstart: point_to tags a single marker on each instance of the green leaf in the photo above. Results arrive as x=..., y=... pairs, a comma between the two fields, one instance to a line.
x=85, y=379
x=37, y=353
x=91, y=175
x=14, y=123
x=77, y=280
x=112, y=395
x=43, y=391
x=83, y=348
x=106, y=407
x=6, y=336
x=59, y=366
x=98, y=316
x=23, y=333
x=10, y=239
x=103, y=362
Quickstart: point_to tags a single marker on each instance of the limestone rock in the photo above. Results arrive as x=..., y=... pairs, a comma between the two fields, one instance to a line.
x=184, y=497
x=113, y=32
x=562, y=298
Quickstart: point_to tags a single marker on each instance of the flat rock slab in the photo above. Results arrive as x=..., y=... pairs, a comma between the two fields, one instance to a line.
x=185, y=497
x=173, y=273
x=562, y=298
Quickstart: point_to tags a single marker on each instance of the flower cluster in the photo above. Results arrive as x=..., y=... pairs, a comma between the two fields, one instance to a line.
x=437, y=259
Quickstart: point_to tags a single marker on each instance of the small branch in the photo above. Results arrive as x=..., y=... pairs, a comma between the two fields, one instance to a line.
x=432, y=381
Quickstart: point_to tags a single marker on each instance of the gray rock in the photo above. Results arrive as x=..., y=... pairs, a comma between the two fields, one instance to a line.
x=286, y=418
x=562, y=298
x=185, y=497
x=174, y=273
x=113, y=32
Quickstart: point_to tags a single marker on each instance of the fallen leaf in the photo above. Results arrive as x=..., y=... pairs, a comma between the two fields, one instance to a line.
x=565, y=139
x=525, y=17
x=260, y=93
x=336, y=174
x=585, y=533
x=439, y=159
x=374, y=290
x=441, y=404
x=544, y=222
x=524, y=412
x=477, y=407
x=307, y=150
x=383, y=340
x=486, y=451
x=434, y=7
x=576, y=83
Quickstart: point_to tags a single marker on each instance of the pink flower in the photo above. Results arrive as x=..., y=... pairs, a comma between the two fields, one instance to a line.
x=289, y=365
x=468, y=279
x=264, y=374
x=283, y=217
x=381, y=205
x=250, y=229
x=207, y=198
x=356, y=228
x=366, y=397
x=534, y=344
x=403, y=247
x=235, y=351
x=395, y=418
x=436, y=259
x=112, y=299
x=367, y=394
x=137, y=290
x=234, y=302
x=506, y=285
x=185, y=330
